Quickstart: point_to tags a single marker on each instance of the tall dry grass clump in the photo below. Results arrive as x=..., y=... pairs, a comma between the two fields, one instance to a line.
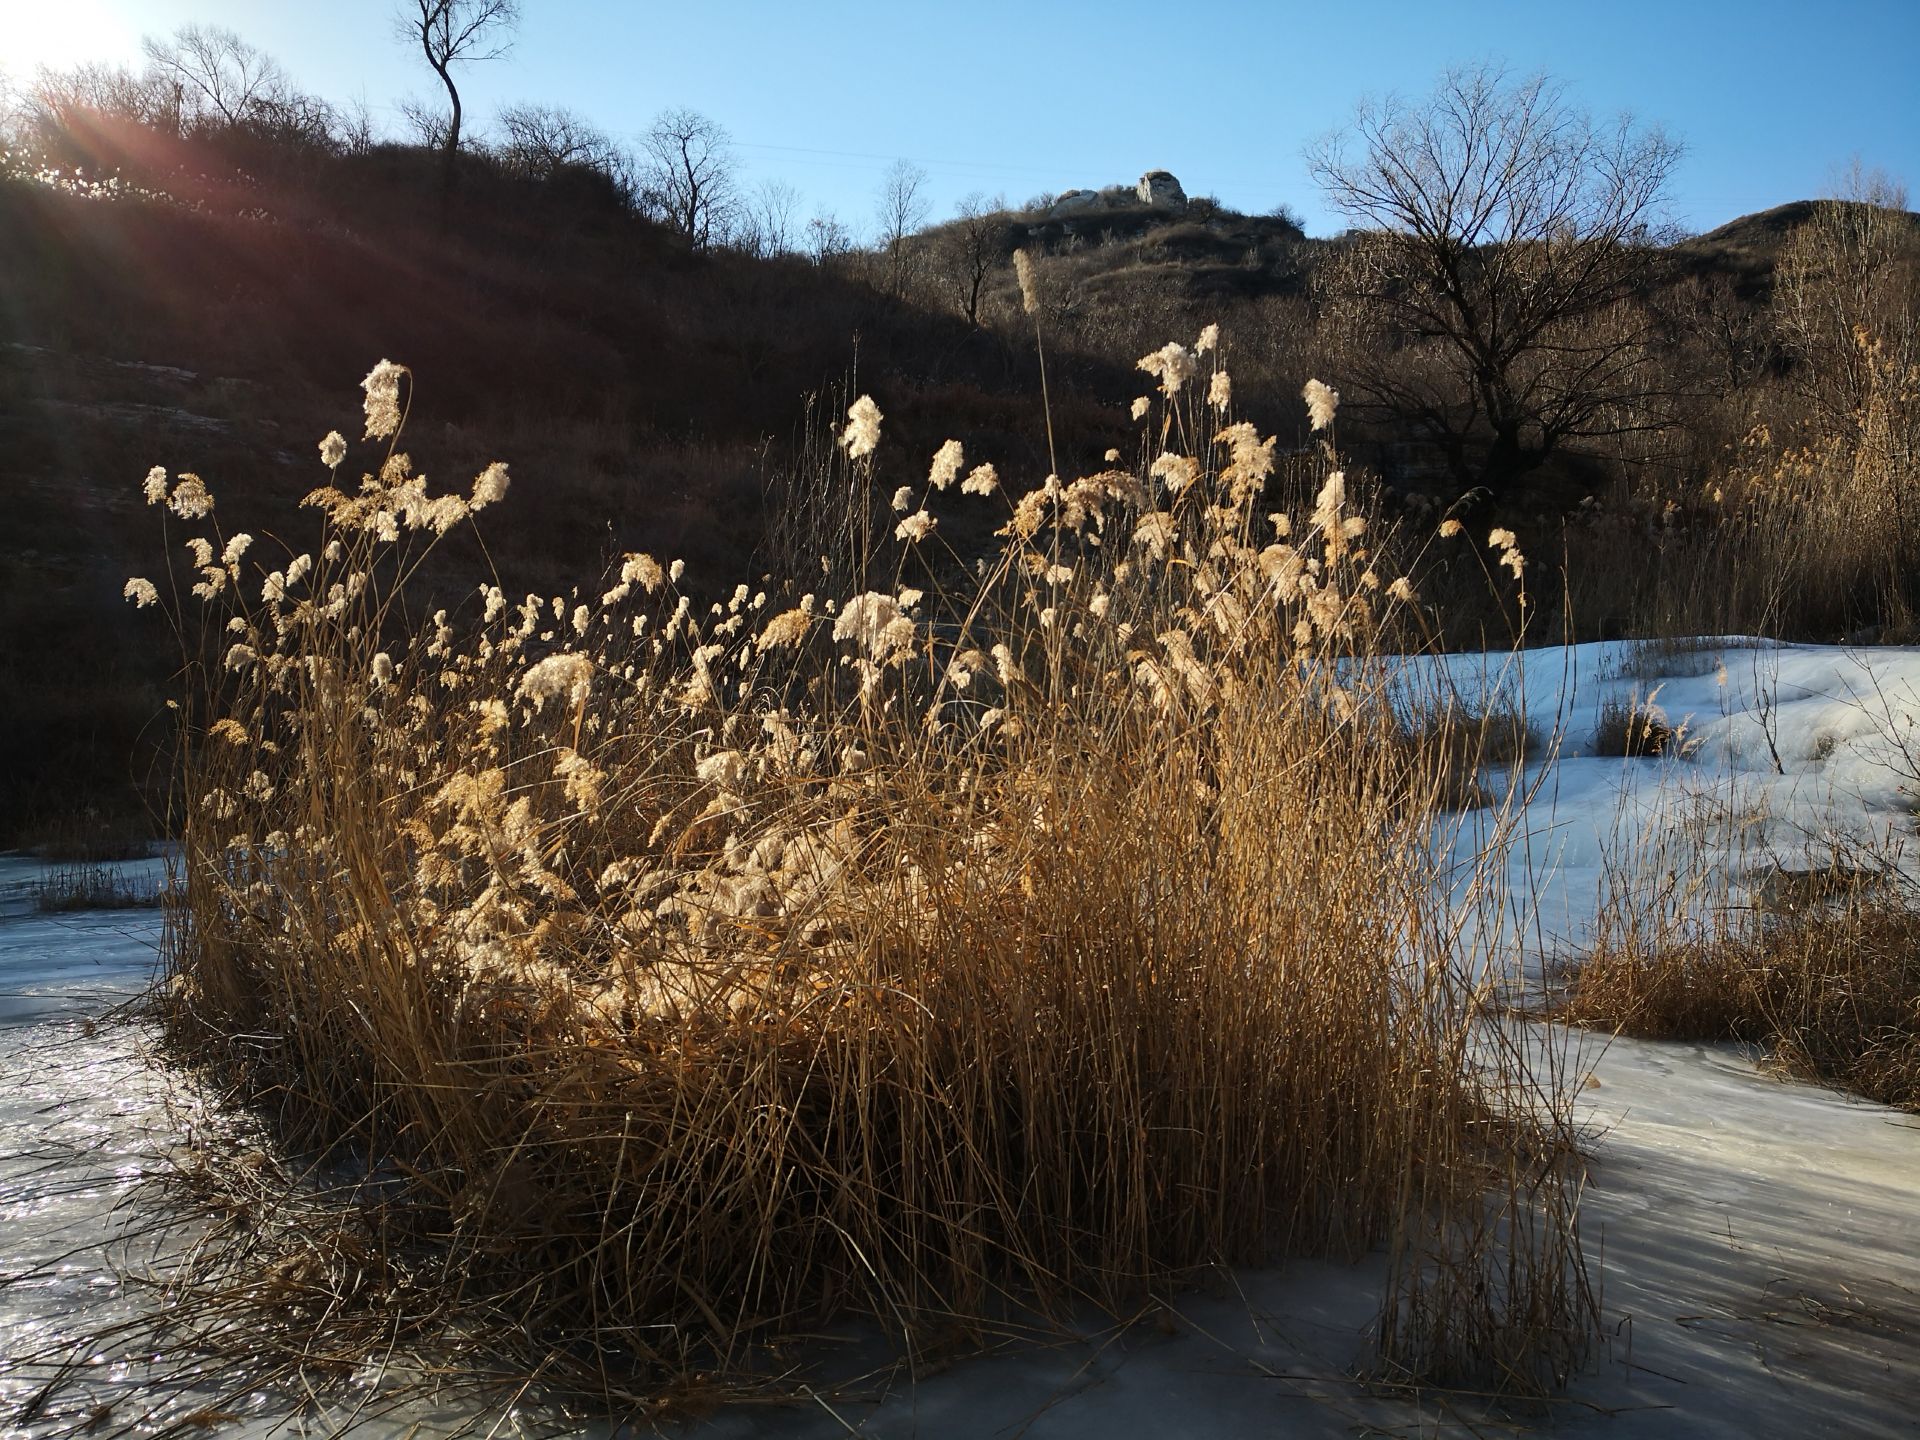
x=707, y=971
x=1736, y=925
x=1823, y=970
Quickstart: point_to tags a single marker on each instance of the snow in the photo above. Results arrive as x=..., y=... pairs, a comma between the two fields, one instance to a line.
x=1791, y=757
x=1755, y=1239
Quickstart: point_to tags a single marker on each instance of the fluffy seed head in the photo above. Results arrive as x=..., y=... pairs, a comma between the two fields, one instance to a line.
x=489, y=486
x=862, y=435
x=642, y=570
x=1172, y=363
x=383, y=400
x=191, y=498
x=1177, y=472
x=1322, y=401
x=947, y=461
x=874, y=622
x=787, y=628
x=1029, y=282
x=565, y=674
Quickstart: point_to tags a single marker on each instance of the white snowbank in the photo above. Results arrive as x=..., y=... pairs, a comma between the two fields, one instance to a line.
x=1790, y=757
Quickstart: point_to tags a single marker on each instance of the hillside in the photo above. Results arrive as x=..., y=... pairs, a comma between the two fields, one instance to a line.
x=647, y=397
x=1747, y=249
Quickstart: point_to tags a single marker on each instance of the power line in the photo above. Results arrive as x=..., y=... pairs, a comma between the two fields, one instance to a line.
x=917, y=160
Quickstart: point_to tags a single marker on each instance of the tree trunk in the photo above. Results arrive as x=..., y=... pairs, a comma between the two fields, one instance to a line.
x=1508, y=460
x=449, y=154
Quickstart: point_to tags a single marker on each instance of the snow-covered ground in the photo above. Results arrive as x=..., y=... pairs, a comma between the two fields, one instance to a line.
x=1789, y=758
x=1756, y=1240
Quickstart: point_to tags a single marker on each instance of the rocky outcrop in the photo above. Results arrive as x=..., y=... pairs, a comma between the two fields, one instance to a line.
x=1159, y=189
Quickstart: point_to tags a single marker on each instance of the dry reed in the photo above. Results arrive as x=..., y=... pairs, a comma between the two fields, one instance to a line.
x=1825, y=975
x=709, y=972
x=1710, y=933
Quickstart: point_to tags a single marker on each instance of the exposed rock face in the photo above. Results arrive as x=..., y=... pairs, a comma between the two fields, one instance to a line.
x=1159, y=189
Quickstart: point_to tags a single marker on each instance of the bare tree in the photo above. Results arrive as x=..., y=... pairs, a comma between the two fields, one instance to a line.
x=457, y=32
x=221, y=79
x=1494, y=292
x=357, y=135
x=539, y=140
x=828, y=241
x=59, y=99
x=424, y=120
x=689, y=175
x=766, y=223
x=902, y=211
x=16, y=109
x=1847, y=295
x=975, y=246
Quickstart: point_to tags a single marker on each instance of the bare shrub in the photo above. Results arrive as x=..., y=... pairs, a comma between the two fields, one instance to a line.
x=1633, y=728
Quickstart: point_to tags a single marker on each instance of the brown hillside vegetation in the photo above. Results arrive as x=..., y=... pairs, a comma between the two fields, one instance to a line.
x=661, y=391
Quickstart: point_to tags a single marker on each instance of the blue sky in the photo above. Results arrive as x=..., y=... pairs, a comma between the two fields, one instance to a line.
x=1770, y=97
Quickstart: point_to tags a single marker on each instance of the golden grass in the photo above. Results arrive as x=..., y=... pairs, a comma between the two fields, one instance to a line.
x=1633, y=729
x=713, y=972
x=1824, y=971
x=1473, y=754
